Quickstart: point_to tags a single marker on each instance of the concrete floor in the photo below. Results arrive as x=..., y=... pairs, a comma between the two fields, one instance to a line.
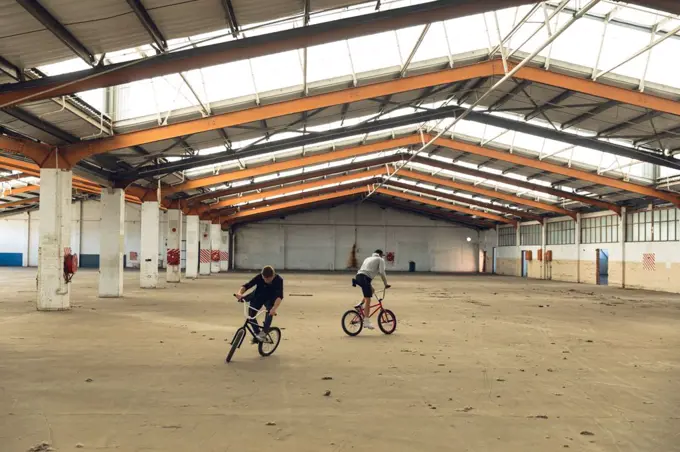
x=477, y=364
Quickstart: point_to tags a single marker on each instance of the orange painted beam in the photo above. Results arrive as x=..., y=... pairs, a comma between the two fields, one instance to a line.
x=557, y=169
x=445, y=205
x=298, y=202
x=19, y=203
x=293, y=164
x=35, y=151
x=294, y=188
x=17, y=190
x=32, y=169
x=518, y=183
x=78, y=151
x=484, y=191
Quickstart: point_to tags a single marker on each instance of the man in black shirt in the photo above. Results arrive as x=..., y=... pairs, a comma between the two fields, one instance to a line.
x=268, y=293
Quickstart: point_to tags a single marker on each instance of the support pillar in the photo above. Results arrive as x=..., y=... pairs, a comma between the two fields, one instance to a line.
x=112, y=243
x=204, y=266
x=192, y=246
x=55, y=239
x=173, y=272
x=148, y=271
x=215, y=240
x=622, y=239
x=578, y=247
x=224, y=251
x=544, y=262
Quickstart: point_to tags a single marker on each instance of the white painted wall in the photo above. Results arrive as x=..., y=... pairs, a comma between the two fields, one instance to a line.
x=19, y=233
x=322, y=240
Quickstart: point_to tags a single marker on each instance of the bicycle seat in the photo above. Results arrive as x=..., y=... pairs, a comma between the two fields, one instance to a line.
x=354, y=282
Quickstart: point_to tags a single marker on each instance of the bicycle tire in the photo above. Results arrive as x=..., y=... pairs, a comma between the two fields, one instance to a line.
x=235, y=343
x=352, y=318
x=273, y=339
x=387, y=321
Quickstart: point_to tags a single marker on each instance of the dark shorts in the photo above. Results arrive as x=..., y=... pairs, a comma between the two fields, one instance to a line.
x=364, y=282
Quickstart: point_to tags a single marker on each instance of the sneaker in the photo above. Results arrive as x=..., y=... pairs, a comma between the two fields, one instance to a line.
x=368, y=325
x=261, y=336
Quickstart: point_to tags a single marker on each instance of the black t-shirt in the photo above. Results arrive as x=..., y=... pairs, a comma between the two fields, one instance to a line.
x=264, y=291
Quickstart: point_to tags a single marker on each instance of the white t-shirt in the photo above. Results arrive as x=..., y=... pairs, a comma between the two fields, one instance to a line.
x=374, y=266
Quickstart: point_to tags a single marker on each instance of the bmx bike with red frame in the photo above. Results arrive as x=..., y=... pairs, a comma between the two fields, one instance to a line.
x=353, y=320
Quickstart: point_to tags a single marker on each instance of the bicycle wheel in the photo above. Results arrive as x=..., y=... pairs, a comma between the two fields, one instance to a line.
x=271, y=342
x=236, y=343
x=387, y=321
x=352, y=323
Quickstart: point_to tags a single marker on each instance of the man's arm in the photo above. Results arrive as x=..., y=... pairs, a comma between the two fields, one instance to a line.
x=247, y=286
x=381, y=268
x=279, y=298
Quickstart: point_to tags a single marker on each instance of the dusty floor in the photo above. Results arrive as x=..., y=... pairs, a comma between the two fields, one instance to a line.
x=476, y=364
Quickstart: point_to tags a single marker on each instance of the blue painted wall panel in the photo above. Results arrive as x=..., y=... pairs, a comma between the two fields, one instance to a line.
x=11, y=259
x=89, y=260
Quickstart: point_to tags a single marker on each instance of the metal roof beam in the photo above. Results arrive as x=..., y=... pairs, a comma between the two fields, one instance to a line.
x=589, y=114
x=230, y=15
x=551, y=103
x=576, y=140
x=148, y=24
x=251, y=47
x=470, y=202
x=519, y=87
x=432, y=212
x=624, y=125
x=671, y=133
x=57, y=29
x=26, y=117
x=517, y=183
x=557, y=169
x=10, y=70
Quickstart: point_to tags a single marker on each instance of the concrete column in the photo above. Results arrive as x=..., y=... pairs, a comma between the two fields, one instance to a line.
x=544, y=263
x=215, y=241
x=578, y=247
x=192, y=246
x=148, y=267
x=112, y=243
x=224, y=251
x=173, y=272
x=622, y=240
x=55, y=239
x=204, y=266
x=518, y=251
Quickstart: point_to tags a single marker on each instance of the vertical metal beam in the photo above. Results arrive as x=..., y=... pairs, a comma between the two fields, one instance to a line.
x=148, y=24
x=57, y=29
x=231, y=17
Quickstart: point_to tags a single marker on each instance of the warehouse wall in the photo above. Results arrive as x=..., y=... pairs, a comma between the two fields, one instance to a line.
x=19, y=234
x=323, y=240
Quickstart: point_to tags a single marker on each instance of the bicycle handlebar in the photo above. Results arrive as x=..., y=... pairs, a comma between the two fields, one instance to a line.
x=246, y=308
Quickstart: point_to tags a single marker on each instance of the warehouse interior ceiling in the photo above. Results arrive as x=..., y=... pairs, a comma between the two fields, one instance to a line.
x=262, y=125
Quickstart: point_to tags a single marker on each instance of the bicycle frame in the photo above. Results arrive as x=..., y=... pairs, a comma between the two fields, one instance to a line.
x=378, y=306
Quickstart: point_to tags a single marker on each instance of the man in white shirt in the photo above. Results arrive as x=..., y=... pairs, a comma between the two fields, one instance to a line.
x=372, y=267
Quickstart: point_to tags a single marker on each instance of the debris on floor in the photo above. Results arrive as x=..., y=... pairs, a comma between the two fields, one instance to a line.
x=42, y=447
x=465, y=410
x=327, y=393
x=587, y=433
x=327, y=378
x=270, y=424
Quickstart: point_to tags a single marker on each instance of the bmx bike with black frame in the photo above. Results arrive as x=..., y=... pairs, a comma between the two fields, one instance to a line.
x=353, y=320
x=265, y=347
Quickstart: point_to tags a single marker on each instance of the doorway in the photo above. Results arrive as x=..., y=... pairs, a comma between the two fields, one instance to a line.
x=482, y=261
x=493, y=261
x=602, y=267
x=525, y=265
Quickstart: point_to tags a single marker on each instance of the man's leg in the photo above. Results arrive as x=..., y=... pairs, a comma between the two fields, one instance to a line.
x=255, y=306
x=268, y=318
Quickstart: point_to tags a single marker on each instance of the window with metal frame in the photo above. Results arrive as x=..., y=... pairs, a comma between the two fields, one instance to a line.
x=507, y=237
x=561, y=233
x=658, y=225
x=604, y=229
x=530, y=235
